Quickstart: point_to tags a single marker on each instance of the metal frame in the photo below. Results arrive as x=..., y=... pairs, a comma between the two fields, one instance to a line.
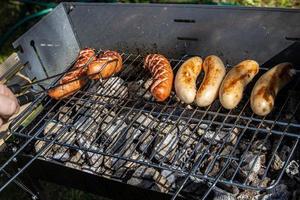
x=188, y=25
x=271, y=128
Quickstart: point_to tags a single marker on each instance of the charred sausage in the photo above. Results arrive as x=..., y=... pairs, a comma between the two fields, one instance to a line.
x=106, y=65
x=69, y=84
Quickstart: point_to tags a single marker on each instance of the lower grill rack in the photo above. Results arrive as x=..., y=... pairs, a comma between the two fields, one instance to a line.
x=115, y=129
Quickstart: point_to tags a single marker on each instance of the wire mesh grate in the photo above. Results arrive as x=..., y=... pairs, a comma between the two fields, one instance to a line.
x=115, y=129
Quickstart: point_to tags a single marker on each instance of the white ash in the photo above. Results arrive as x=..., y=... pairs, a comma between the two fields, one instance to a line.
x=292, y=168
x=277, y=163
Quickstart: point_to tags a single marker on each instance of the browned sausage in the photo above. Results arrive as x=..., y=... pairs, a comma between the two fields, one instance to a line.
x=106, y=65
x=214, y=73
x=162, y=75
x=68, y=84
x=268, y=85
x=234, y=83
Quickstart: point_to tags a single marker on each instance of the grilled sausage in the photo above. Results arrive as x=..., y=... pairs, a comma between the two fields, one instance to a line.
x=107, y=64
x=268, y=85
x=232, y=87
x=185, y=80
x=69, y=84
x=65, y=90
x=162, y=75
x=214, y=73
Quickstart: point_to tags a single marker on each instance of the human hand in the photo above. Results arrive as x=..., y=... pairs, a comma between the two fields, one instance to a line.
x=8, y=104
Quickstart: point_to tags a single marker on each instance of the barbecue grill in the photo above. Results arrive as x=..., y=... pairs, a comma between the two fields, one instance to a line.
x=112, y=136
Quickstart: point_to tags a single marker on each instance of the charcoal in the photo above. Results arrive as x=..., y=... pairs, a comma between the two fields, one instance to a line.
x=129, y=153
x=191, y=189
x=292, y=168
x=89, y=169
x=73, y=165
x=61, y=155
x=214, y=137
x=260, y=145
x=145, y=121
x=138, y=89
x=149, y=178
x=51, y=128
x=279, y=192
x=65, y=114
x=146, y=142
x=166, y=146
x=94, y=159
x=277, y=163
x=169, y=176
x=78, y=158
x=114, y=131
x=252, y=163
x=114, y=88
x=222, y=195
x=246, y=194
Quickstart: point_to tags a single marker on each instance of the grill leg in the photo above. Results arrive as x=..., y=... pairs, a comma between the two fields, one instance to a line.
x=34, y=186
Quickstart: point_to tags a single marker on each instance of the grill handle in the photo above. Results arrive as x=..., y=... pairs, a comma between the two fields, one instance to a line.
x=25, y=98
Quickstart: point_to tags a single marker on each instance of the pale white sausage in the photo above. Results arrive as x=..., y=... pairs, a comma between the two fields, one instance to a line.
x=185, y=80
x=215, y=71
x=234, y=83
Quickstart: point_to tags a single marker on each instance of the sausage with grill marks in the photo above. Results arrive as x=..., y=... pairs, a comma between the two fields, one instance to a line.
x=268, y=85
x=162, y=75
x=71, y=82
x=234, y=83
x=185, y=80
x=214, y=73
x=106, y=65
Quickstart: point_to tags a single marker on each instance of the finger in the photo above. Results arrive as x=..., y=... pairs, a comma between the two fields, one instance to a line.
x=1, y=122
x=8, y=106
x=4, y=90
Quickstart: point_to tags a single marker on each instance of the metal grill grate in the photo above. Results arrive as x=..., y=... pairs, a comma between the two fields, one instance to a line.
x=117, y=130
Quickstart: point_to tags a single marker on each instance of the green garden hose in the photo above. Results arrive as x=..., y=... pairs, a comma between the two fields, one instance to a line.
x=4, y=37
